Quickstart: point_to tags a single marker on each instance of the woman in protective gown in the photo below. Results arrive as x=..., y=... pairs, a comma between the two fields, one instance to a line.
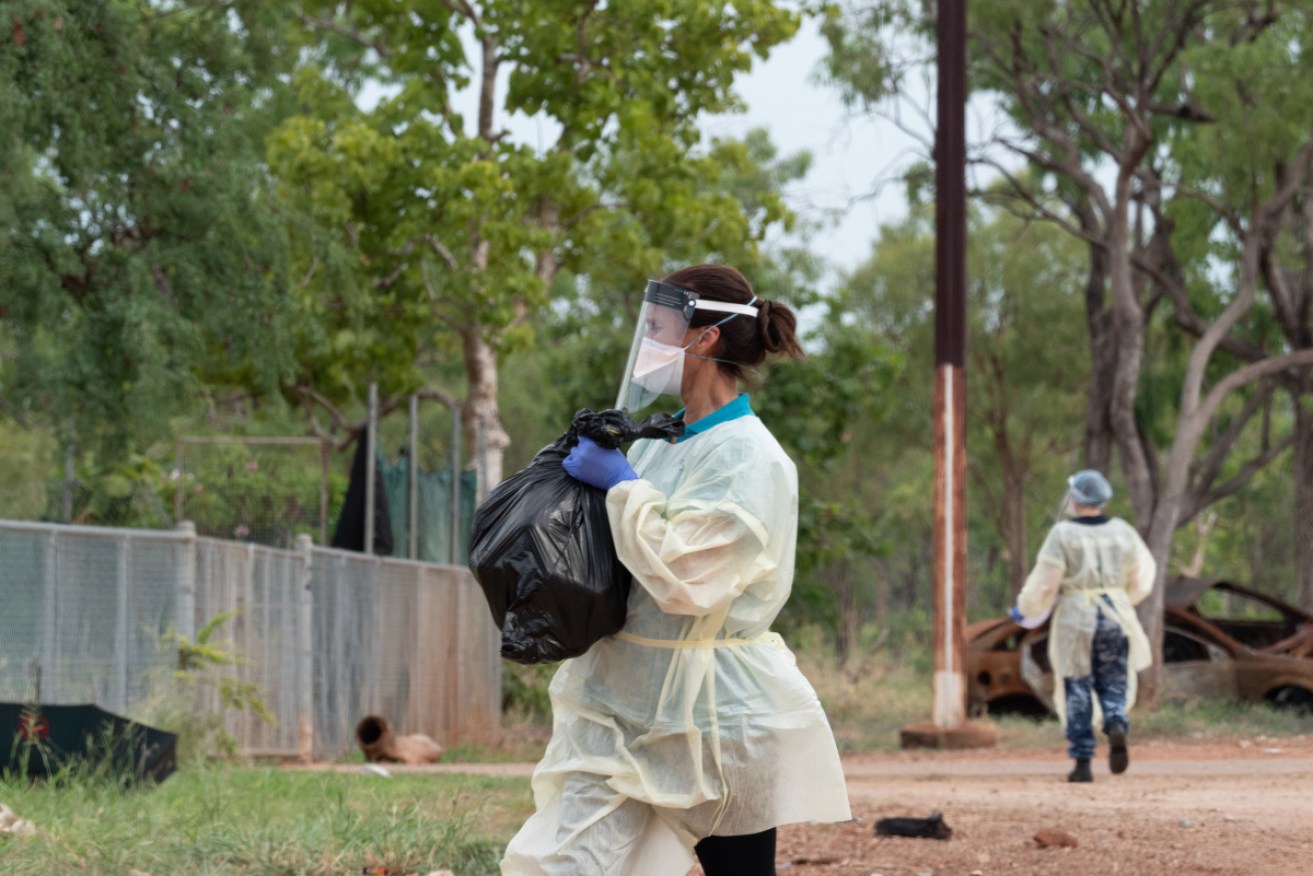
x=692, y=731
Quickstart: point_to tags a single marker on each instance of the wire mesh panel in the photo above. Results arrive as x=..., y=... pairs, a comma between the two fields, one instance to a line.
x=87, y=613
x=345, y=637
x=27, y=559
x=260, y=590
x=461, y=703
x=325, y=637
x=409, y=641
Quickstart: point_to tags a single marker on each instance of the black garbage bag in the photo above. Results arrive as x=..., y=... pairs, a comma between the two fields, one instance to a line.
x=920, y=828
x=541, y=547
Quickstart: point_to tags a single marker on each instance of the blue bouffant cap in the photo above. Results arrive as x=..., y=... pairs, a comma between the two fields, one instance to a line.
x=1090, y=488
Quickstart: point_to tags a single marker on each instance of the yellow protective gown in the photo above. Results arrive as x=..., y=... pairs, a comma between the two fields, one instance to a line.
x=1078, y=565
x=694, y=720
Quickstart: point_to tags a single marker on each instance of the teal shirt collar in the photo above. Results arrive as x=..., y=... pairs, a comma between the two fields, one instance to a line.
x=740, y=407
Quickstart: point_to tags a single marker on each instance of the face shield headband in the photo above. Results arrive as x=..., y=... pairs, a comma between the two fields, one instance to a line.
x=655, y=366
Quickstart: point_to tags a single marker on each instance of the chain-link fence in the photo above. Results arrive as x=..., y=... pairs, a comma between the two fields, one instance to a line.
x=324, y=636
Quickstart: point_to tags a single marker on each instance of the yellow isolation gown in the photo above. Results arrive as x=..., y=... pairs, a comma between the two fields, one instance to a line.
x=1078, y=566
x=694, y=720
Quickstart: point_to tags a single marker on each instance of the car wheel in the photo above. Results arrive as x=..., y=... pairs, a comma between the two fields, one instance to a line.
x=1297, y=699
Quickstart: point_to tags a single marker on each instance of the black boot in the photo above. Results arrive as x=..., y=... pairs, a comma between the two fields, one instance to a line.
x=1118, y=757
x=1081, y=773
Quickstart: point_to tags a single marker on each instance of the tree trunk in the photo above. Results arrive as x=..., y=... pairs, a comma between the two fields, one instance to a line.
x=1128, y=337
x=1014, y=516
x=1197, y=410
x=1302, y=457
x=481, y=415
x=847, y=624
x=1103, y=352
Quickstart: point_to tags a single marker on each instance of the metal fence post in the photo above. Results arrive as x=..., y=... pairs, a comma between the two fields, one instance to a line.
x=305, y=652
x=121, y=627
x=47, y=659
x=185, y=607
x=324, y=447
x=412, y=480
x=371, y=448
x=69, y=471
x=454, y=520
x=180, y=472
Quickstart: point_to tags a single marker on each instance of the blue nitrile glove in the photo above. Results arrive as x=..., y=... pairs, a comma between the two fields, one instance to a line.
x=597, y=466
x=1016, y=615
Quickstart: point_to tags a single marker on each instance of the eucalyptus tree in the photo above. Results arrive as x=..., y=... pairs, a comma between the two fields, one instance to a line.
x=458, y=225
x=1241, y=218
x=1097, y=96
x=1190, y=105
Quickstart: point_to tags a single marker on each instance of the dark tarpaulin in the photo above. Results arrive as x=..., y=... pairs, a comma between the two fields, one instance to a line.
x=349, y=533
x=42, y=740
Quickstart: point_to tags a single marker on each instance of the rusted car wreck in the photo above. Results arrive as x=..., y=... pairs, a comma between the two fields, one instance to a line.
x=1220, y=639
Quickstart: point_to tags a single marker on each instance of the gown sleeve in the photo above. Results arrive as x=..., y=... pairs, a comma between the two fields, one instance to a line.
x=1041, y=588
x=700, y=547
x=1143, y=572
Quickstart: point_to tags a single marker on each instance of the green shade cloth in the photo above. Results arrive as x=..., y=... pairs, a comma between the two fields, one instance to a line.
x=434, y=511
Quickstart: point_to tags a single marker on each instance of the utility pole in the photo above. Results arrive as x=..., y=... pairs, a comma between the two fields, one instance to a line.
x=949, y=727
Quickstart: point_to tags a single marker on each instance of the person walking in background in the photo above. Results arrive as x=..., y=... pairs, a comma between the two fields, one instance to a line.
x=1091, y=573
x=691, y=732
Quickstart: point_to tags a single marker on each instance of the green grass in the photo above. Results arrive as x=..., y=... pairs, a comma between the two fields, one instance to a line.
x=867, y=709
x=1211, y=720
x=255, y=821
x=1195, y=721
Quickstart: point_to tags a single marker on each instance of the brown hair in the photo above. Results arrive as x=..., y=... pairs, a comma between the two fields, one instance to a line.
x=744, y=342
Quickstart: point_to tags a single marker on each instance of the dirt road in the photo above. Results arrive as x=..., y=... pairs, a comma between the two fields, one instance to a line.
x=1244, y=807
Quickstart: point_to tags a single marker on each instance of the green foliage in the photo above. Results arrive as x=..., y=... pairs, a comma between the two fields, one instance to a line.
x=112, y=489
x=455, y=234
x=524, y=692
x=866, y=60
x=253, y=492
x=1251, y=541
x=1027, y=371
x=142, y=262
x=814, y=407
x=24, y=465
x=200, y=675
x=883, y=687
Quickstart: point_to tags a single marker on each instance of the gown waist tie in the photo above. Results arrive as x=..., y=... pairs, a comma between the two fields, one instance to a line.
x=766, y=638
x=1091, y=597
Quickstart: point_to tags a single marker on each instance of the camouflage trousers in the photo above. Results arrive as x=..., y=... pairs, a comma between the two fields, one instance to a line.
x=1107, y=680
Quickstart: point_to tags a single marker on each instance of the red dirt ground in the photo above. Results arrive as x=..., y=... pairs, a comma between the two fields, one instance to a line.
x=1236, y=808
x=1243, y=807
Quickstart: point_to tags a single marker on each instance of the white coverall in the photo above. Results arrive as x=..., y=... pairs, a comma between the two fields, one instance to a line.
x=1077, y=566
x=694, y=720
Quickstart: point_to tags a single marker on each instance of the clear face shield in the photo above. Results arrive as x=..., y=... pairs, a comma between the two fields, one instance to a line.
x=655, y=366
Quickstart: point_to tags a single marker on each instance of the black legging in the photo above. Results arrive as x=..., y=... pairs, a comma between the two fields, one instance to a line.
x=749, y=855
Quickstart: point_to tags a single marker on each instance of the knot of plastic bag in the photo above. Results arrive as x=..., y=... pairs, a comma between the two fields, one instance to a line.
x=613, y=427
